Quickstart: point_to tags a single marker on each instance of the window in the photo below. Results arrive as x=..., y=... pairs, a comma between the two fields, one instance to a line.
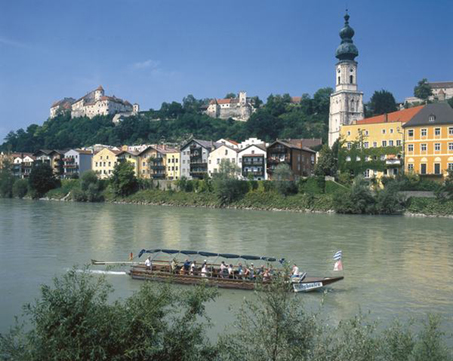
x=351, y=79
x=367, y=173
x=384, y=143
x=383, y=131
x=437, y=132
x=450, y=147
x=410, y=167
x=349, y=133
x=431, y=118
x=450, y=131
x=96, y=164
x=107, y=157
x=410, y=133
x=366, y=145
x=110, y=164
x=423, y=147
x=410, y=147
x=218, y=161
x=422, y=168
x=366, y=132
x=423, y=132
x=450, y=166
x=226, y=151
x=390, y=143
x=374, y=144
x=391, y=131
x=398, y=143
x=338, y=80
x=349, y=145
x=437, y=147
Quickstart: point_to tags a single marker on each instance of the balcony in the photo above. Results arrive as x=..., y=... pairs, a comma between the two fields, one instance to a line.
x=199, y=163
x=393, y=162
x=156, y=160
x=274, y=160
x=158, y=167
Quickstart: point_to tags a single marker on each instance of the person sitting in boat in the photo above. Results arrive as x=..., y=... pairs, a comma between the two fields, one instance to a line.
x=204, y=270
x=240, y=271
x=230, y=271
x=193, y=267
x=186, y=266
x=266, y=275
x=295, y=272
x=148, y=264
x=252, y=271
x=223, y=269
x=173, y=266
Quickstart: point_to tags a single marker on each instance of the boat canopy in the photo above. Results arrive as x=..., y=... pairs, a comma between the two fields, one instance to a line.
x=209, y=254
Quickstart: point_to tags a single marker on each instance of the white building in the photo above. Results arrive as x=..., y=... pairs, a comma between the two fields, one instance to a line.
x=252, y=161
x=229, y=142
x=223, y=152
x=251, y=141
x=442, y=90
x=194, y=158
x=346, y=103
x=92, y=104
x=240, y=108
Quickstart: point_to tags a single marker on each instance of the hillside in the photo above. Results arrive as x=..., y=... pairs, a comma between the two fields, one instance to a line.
x=175, y=122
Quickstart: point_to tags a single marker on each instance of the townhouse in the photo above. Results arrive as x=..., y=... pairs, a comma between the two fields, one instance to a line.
x=194, y=158
x=22, y=163
x=252, y=161
x=54, y=158
x=75, y=162
x=429, y=141
x=104, y=161
x=217, y=155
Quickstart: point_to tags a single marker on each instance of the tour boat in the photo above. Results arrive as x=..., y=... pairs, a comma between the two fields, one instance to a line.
x=162, y=270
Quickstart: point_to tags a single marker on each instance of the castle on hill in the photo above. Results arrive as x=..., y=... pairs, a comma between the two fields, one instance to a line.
x=92, y=104
x=239, y=108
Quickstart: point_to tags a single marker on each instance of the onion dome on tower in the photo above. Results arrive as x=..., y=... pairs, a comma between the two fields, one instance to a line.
x=347, y=50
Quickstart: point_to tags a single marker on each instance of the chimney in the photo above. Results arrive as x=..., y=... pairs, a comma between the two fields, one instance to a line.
x=386, y=117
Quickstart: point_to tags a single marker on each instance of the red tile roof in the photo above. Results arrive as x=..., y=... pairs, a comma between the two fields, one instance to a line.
x=402, y=116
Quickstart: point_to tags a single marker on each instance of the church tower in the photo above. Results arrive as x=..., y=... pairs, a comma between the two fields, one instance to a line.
x=346, y=103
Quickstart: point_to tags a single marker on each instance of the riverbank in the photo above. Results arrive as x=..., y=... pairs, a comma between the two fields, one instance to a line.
x=258, y=200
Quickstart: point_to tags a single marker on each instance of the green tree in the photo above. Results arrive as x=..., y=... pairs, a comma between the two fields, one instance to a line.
x=423, y=90
x=283, y=178
x=6, y=179
x=20, y=188
x=74, y=320
x=225, y=183
x=42, y=179
x=326, y=164
x=230, y=96
x=357, y=200
x=382, y=101
x=321, y=101
x=123, y=180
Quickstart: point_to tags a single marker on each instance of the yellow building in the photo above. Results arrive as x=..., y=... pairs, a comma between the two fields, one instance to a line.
x=381, y=131
x=103, y=162
x=131, y=157
x=144, y=168
x=173, y=169
x=429, y=141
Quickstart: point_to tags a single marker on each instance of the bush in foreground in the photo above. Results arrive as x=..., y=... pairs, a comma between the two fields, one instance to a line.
x=73, y=320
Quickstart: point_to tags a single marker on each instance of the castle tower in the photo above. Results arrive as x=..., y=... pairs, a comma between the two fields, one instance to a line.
x=346, y=103
x=242, y=98
x=98, y=93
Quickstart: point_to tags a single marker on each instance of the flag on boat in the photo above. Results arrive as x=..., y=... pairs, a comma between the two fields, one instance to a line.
x=338, y=266
x=337, y=256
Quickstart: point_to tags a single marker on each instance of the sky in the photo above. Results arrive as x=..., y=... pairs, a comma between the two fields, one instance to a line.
x=154, y=51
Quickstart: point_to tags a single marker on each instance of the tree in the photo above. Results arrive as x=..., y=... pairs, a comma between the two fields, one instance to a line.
x=226, y=185
x=42, y=179
x=20, y=188
x=123, y=180
x=282, y=176
x=230, y=96
x=326, y=164
x=6, y=179
x=423, y=90
x=321, y=101
x=382, y=101
x=74, y=320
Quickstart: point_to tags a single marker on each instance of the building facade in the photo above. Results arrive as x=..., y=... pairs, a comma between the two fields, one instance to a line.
x=300, y=159
x=194, y=158
x=75, y=162
x=252, y=161
x=216, y=156
x=239, y=108
x=173, y=164
x=103, y=162
x=346, y=103
x=22, y=163
x=131, y=157
x=54, y=158
x=92, y=104
x=429, y=141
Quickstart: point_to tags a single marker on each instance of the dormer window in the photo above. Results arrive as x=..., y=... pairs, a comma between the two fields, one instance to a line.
x=431, y=118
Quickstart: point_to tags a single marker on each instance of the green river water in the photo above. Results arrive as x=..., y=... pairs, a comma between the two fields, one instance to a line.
x=393, y=266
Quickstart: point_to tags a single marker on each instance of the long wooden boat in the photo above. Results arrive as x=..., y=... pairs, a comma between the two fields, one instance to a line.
x=162, y=270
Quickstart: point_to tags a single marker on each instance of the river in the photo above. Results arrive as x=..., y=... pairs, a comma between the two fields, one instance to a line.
x=393, y=265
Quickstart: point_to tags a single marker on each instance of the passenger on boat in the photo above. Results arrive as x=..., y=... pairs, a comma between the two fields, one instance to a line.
x=173, y=265
x=148, y=264
x=266, y=275
x=186, y=266
x=240, y=270
x=193, y=267
x=223, y=269
x=230, y=271
x=204, y=270
x=252, y=271
x=247, y=272
x=295, y=272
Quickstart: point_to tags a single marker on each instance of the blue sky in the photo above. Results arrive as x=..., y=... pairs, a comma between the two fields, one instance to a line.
x=150, y=51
